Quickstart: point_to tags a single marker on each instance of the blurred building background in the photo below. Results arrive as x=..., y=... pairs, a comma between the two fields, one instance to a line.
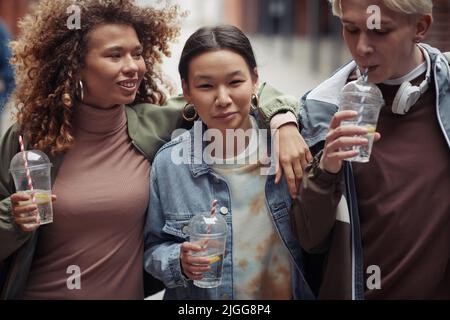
x=297, y=42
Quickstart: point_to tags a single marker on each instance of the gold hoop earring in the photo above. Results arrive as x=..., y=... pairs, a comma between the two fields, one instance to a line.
x=187, y=110
x=79, y=90
x=255, y=101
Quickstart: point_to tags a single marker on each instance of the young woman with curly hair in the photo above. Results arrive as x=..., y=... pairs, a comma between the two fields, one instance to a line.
x=91, y=99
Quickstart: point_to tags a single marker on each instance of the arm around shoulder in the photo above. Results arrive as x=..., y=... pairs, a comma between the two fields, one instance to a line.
x=273, y=102
x=314, y=209
x=151, y=126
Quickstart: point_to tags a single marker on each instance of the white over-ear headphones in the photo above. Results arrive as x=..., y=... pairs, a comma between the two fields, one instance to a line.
x=408, y=95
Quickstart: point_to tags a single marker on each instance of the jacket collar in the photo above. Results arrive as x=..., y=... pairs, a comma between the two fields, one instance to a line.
x=197, y=165
x=329, y=90
x=320, y=104
x=138, y=140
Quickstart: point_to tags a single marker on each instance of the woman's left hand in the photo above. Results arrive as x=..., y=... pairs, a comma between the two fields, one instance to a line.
x=293, y=156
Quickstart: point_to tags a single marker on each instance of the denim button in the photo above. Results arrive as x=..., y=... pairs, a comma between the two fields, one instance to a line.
x=224, y=210
x=226, y=297
x=185, y=230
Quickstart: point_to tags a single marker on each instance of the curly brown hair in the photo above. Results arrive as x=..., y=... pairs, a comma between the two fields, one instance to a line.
x=48, y=57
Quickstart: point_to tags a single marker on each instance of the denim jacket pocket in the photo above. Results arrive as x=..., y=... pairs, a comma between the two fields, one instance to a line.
x=177, y=228
x=279, y=211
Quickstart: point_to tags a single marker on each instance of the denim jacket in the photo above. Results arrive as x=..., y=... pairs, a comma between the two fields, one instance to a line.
x=177, y=193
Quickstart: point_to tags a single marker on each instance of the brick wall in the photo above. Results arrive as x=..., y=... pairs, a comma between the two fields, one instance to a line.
x=11, y=11
x=439, y=34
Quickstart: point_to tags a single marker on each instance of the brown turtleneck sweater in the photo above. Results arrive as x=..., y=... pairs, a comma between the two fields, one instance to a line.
x=102, y=188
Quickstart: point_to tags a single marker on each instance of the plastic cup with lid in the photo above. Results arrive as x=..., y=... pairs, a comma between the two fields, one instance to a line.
x=210, y=233
x=38, y=167
x=367, y=100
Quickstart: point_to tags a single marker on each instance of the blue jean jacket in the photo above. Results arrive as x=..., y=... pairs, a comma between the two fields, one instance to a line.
x=177, y=193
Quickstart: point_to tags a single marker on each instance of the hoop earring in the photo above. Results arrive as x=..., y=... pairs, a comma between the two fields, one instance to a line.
x=80, y=90
x=185, y=112
x=255, y=101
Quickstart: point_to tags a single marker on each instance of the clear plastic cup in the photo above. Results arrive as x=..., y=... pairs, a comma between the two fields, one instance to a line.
x=367, y=100
x=209, y=233
x=39, y=167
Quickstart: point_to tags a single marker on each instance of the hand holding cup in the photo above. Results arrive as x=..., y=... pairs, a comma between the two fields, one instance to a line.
x=24, y=212
x=340, y=141
x=193, y=266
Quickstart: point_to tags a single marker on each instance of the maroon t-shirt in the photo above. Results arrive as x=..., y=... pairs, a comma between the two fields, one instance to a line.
x=404, y=202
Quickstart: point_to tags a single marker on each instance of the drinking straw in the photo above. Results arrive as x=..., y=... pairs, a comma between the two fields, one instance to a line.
x=30, y=182
x=366, y=75
x=213, y=208
x=213, y=214
x=365, y=78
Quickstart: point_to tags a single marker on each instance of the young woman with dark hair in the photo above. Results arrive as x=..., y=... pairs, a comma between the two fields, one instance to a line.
x=262, y=260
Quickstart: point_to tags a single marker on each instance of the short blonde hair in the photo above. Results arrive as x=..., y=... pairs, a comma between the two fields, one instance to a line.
x=401, y=6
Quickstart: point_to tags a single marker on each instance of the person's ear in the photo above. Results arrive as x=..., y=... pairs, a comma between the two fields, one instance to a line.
x=422, y=25
x=185, y=87
x=255, y=79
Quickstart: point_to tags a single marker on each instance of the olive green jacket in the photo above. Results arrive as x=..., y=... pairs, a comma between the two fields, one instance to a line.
x=149, y=127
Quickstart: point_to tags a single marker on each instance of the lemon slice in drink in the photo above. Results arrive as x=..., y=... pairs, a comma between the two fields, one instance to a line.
x=214, y=259
x=41, y=198
x=370, y=129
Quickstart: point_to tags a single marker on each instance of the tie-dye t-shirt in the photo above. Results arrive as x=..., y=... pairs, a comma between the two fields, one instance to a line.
x=261, y=262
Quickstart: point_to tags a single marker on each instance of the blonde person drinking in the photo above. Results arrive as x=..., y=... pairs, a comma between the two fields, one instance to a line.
x=384, y=226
